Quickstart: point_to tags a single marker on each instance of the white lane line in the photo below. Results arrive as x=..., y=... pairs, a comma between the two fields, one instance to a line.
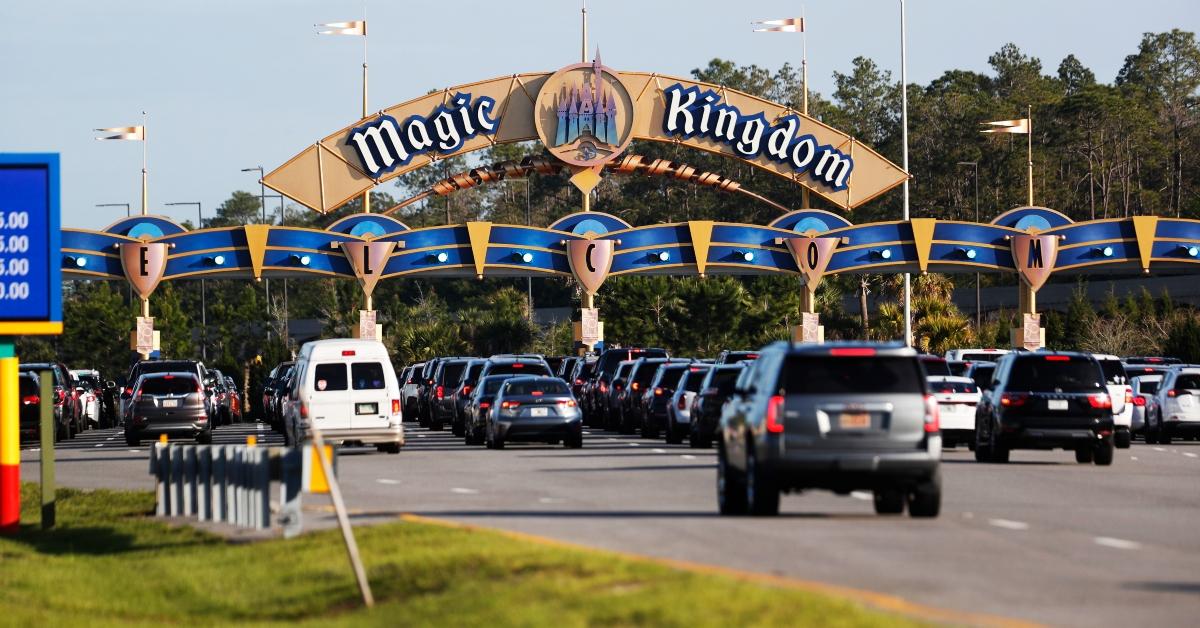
x=656, y=450
x=387, y=481
x=111, y=438
x=1008, y=524
x=260, y=427
x=1158, y=449
x=688, y=457
x=99, y=444
x=587, y=432
x=550, y=500
x=1133, y=457
x=1108, y=541
x=464, y=491
x=135, y=451
x=863, y=495
x=420, y=436
x=1189, y=454
x=610, y=438
x=635, y=444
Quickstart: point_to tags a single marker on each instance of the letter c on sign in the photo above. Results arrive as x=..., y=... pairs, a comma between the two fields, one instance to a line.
x=143, y=262
x=812, y=255
x=587, y=258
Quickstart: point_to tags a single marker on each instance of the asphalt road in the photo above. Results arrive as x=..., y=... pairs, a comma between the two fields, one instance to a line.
x=1041, y=539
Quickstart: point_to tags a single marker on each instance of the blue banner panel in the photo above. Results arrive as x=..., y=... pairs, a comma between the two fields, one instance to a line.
x=30, y=271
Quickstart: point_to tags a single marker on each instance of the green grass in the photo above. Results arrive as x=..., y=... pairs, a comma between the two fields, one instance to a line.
x=110, y=563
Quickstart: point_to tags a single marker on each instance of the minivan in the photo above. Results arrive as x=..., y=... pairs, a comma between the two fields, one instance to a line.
x=348, y=389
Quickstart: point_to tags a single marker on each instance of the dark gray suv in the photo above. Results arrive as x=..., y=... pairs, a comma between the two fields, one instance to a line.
x=839, y=416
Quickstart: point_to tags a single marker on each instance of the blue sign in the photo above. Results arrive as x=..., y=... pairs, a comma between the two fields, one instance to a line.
x=30, y=269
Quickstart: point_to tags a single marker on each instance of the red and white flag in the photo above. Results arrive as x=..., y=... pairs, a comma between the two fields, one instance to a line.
x=1007, y=126
x=135, y=133
x=786, y=25
x=357, y=27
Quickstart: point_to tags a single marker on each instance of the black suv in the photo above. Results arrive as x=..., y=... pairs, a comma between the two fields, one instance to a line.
x=1045, y=400
x=837, y=416
x=596, y=406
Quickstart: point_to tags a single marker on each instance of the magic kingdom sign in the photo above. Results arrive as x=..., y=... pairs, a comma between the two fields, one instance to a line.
x=585, y=115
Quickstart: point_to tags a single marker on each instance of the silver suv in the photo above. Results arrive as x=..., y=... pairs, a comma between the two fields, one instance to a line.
x=839, y=416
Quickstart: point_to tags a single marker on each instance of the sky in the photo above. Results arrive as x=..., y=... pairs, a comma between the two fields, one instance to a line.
x=233, y=84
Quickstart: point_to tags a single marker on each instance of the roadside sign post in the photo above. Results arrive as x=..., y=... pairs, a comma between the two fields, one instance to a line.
x=30, y=301
x=47, y=432
x=339, y=507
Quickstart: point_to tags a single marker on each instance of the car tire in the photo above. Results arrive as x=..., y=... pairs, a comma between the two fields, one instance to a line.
x=133, y=440
x=762, y=493
x=573, y=442
x=1103, y=456
x=391, y=448
x=983, y=449
x=1122, y=439
x=999, y=452
x=458, y=430
x=925, y=501
x=435, y=425
x=1084, y=455
x=671, y=433
x=1164, y=435
x=648, y=431
x=731, y=490
x=889, y=501
x=204, y=438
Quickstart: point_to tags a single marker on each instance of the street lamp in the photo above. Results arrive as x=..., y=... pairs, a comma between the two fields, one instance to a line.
x=975, y=165
x=125, y=205
x=203, y=288
x=908, y=338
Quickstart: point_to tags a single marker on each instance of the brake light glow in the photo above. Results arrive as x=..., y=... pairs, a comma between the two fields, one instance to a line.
x=395, y=406
x=1013, y=400
x=304, y=409
x=932, y=416
x=467, y=389
x=658, y=391
x=682, y=405
x=634, y=386
x=536, y=393
x=775, y=415
x=30, y=399
x=1128, y=394
x=60, y=396
x=852, y=352
x=752, y=356
x=1171, y=393
x=508, y=405
x=578, y=382
x=518, y=365
x=1058, y=358
x=441, y=392
x=168, y=376
x=603, y=387
x=1139, y=401
x=483, y=405
x=347, y=352
x=1100, y=401
x=570, y=403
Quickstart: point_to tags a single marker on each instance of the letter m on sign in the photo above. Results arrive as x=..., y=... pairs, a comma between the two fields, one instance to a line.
x=1034, y=257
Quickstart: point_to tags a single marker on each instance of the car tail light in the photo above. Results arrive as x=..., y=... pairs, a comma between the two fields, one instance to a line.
x=618, y=387
x=518, y=365
x=304, y=409
x=1100, y=401
x=570, y=403
x=1058, y=358
x=852, y=352
x=1171, y=393
x=441, y=391
x=775, y=415
x=682, y=405
x=1139, y=401
x=28, y=399
x=129, y=390
x=508, y=405
x=932, y=418
x=578, y=382
x=347, y=353
x=1014, y=400
x=395, y=406
x=60, y=396
x=536, y=393
x=603, y=387
x=1128, y=394
x=658, y=391
x=634, y=386
x=467, y=389
x=483, y=405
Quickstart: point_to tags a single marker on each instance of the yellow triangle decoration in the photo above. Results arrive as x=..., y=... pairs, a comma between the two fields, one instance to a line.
x=922, y=229
x=256, y=243
x=479, y=233
x=701, y=231
x=1144, y=228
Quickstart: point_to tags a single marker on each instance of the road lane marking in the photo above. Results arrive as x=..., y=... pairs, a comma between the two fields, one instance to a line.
x=1108, y=541
x=464, y=491
x=863, y=495
x=387, y=481
x=1009, y=524
x=1189, y=454
x=550, y=500
x=611, y=438
x=884, y=601
x=111, y=438
x=1158, y=449
x=587, y=432
x=135, y=451
x=99, y=444
x=420, y=436
x=635, y=444
x=656, y=450
x=688, y=457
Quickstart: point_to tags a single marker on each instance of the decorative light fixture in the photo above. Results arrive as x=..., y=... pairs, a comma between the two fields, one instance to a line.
x=1190, y=251
x=747, y=256
x=968, y=252
x=525, y=257
x=882, y=253
x=441, y=257
x=215, y=260
x=662, y=256
x=1103, y=251
x=78, y=260
x=303, y=260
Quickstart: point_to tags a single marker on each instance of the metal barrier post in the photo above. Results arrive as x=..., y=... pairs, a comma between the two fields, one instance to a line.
x=230, y=484
x=175, y=455
x=47, y=433
x=291, y=482
x=204, y=482
x=263, y=487
x=189, y=480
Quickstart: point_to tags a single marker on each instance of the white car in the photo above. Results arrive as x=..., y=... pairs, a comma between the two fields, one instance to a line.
x=1121, y=393
x=89, y=381
x=679, y=409
x=957, y=398
x=1177, y=413
x=347, y=389
x=975, y=355
x=1144, y=389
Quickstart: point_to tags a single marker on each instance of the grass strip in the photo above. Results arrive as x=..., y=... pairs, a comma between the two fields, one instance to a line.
x=110, y=563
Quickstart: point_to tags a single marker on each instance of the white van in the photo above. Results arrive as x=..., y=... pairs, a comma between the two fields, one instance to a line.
x=348, y=389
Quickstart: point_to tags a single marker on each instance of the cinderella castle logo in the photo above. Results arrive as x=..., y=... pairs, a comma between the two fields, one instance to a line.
x=587, y=116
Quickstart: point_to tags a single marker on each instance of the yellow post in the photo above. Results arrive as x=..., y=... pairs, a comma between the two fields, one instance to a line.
x=10, y=434
x=251, y=441
x=162, y=438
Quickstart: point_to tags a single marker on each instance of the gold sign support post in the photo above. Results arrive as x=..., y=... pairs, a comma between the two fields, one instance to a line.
x=1034, y=255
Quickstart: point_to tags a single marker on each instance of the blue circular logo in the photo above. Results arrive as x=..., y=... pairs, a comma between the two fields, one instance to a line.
x=1032, y=220
x=589, y=224
x=368, y=227
x=810, y=223
x=145, y=229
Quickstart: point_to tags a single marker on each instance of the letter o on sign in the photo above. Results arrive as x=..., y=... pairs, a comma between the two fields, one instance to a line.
x=812, y=255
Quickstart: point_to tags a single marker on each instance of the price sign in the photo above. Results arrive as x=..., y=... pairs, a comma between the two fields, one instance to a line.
x=30, y=271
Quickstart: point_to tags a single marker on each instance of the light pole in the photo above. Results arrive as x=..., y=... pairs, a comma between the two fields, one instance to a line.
x=262, y=198
x=203, y=289
x=287, y=338
x=908, y=338
x=528, y=223
x=128, y=213
x=975, y=166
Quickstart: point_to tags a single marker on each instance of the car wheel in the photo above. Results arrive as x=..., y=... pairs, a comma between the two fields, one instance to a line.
x=648, y=431
x=487, y=437
x=133, y=440
x=435, y=425
x=1164, y=435
x=731, y=492
x=458, y=429
x=671, y=433
x=1122, y=439
x=925, y=501
x=999, y=452
x=391, y=448
x=1149, y=435
x=1104, y=453
x=573, y=442
x=204, y=438
x=889, y=501
x=983, y=449
x=762, y=494
x=1083, y=455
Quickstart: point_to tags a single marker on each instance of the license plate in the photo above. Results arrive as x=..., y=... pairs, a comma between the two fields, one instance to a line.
x=854, y=421
x=170, y=403
x=366, y=408
x=1056, y=404
x=539, y=412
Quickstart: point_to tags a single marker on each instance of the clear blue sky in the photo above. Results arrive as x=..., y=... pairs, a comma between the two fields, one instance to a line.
x=231, y=84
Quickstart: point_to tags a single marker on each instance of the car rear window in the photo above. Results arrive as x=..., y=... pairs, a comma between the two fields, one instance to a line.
x=29, y=387
x=1114, y=371
x=519, y=368
x=953, y=387
x=1148, y=386
x=452, y=372
x=174, y=385
x=1188, y=381
x=645, y=374
x=670, y=377
x=724, y=379
x=983, y=375
x=543, y=387
x=695, y=379
x=329, y=377
x=473, y=371
x=818, y=375
x=491, y=385
x=936, y=366
x=367, y=376
x=1055, y=373
x=980, y=357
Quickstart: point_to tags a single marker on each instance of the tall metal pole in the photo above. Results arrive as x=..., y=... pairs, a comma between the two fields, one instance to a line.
x=583, y=44
x=908, y=337
x=145, y=184
x=203, y=286
x=529, y=222
x=1029, y=138
x=978, y=309
x=804, y=84
x=366, y=197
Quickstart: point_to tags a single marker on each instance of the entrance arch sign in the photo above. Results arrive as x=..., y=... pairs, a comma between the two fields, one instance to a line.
x=633, y=105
